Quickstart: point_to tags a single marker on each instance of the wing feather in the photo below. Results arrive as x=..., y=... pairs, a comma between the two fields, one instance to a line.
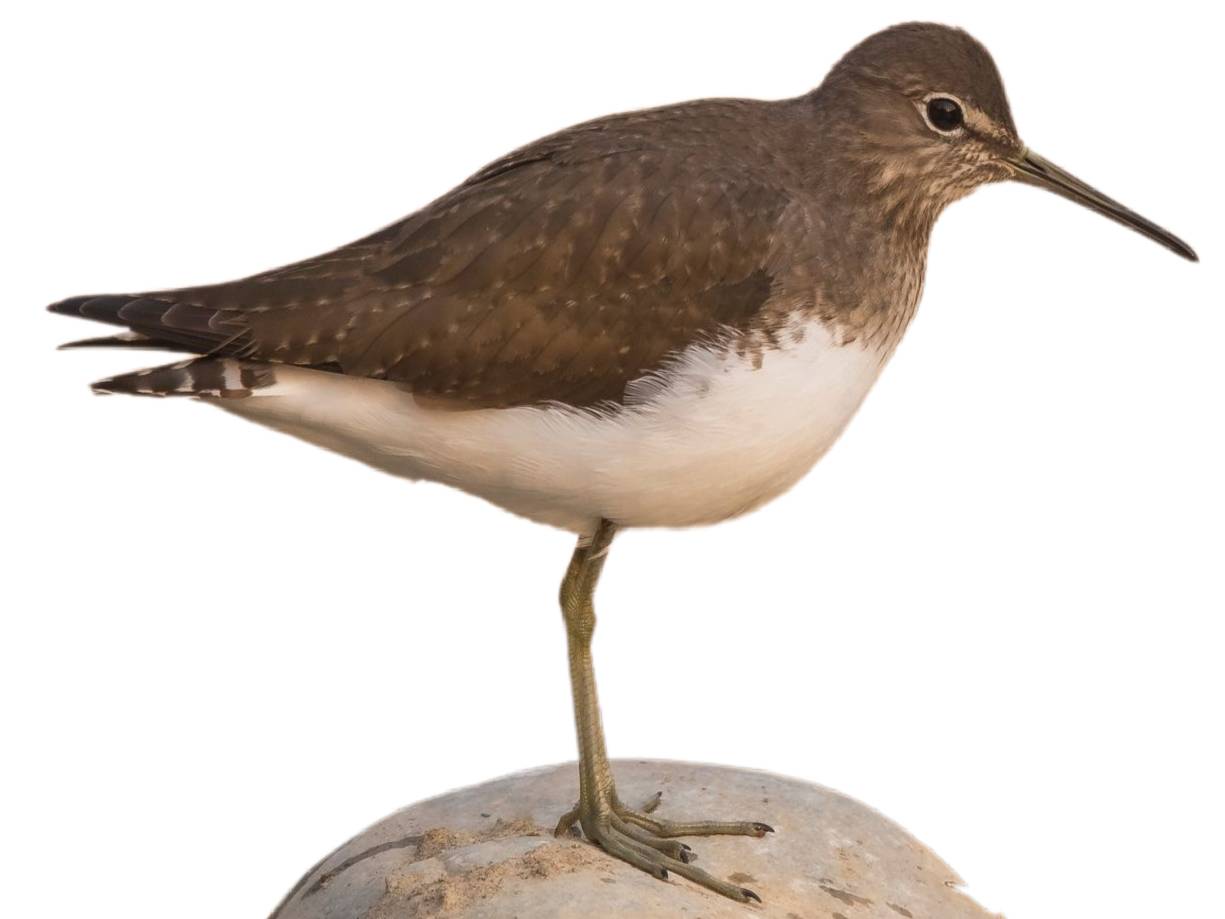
x=558, y=274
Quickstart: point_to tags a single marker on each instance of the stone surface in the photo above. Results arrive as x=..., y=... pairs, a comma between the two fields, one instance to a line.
x=488, y=852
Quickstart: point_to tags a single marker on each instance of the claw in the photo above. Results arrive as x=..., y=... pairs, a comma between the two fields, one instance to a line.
x=568, y=823
x=650, y=843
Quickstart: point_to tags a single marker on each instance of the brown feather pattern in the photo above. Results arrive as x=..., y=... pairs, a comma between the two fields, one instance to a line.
x=559, y=273
x=587, y=259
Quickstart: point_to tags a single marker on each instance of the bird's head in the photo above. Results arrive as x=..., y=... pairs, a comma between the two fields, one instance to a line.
x=921, y=109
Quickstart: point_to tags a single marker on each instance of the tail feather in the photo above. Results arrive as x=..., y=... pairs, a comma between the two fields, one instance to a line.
x=127, y=340
x=179, y=325
x=209, y=377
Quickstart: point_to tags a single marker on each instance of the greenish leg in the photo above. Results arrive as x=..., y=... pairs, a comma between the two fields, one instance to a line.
x=631, y=835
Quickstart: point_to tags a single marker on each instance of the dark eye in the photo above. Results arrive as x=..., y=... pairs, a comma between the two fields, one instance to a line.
x=944, y=114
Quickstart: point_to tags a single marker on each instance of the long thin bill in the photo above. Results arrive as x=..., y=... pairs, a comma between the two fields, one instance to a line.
x=1036, y=170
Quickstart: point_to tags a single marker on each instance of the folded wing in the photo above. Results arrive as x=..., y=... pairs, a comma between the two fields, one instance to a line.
x=559, y=273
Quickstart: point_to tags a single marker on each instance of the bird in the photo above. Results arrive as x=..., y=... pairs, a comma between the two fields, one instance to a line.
x=658, y=318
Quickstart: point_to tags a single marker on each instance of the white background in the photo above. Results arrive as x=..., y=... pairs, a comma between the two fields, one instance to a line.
x=993, y=611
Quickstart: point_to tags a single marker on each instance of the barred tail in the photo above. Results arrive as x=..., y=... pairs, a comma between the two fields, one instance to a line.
x=213, y=377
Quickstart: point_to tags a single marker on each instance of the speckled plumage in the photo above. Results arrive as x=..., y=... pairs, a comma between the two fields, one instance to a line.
x=559, y=273
x=568, y=268
x=663, y=272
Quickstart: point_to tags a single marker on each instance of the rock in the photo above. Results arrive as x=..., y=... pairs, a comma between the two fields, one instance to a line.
x=488, y=852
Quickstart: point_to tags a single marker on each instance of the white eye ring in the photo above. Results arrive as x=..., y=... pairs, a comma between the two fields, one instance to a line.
x=924, y=107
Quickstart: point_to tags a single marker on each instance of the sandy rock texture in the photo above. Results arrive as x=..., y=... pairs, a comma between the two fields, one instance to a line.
x=488, y=852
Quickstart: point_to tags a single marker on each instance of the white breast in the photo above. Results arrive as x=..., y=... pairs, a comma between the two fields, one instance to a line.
x=714, y=435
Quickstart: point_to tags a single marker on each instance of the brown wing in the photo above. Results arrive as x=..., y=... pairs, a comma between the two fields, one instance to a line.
x=558, y=273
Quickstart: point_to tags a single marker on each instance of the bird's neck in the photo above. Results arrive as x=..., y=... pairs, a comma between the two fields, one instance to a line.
x=872, y=221
x=874, y=251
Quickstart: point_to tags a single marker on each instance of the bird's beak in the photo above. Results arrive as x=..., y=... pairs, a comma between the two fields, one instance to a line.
x=1033, y=169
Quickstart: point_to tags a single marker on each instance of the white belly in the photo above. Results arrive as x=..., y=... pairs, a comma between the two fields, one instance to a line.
x=711, y=438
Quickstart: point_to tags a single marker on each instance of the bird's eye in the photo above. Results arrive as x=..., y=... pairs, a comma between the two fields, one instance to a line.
x=945, y=114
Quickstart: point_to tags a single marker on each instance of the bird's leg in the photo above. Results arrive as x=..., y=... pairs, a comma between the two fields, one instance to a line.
x=632, y=836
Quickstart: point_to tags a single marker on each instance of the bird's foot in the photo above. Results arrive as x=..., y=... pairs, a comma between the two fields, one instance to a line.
x=650, y=843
